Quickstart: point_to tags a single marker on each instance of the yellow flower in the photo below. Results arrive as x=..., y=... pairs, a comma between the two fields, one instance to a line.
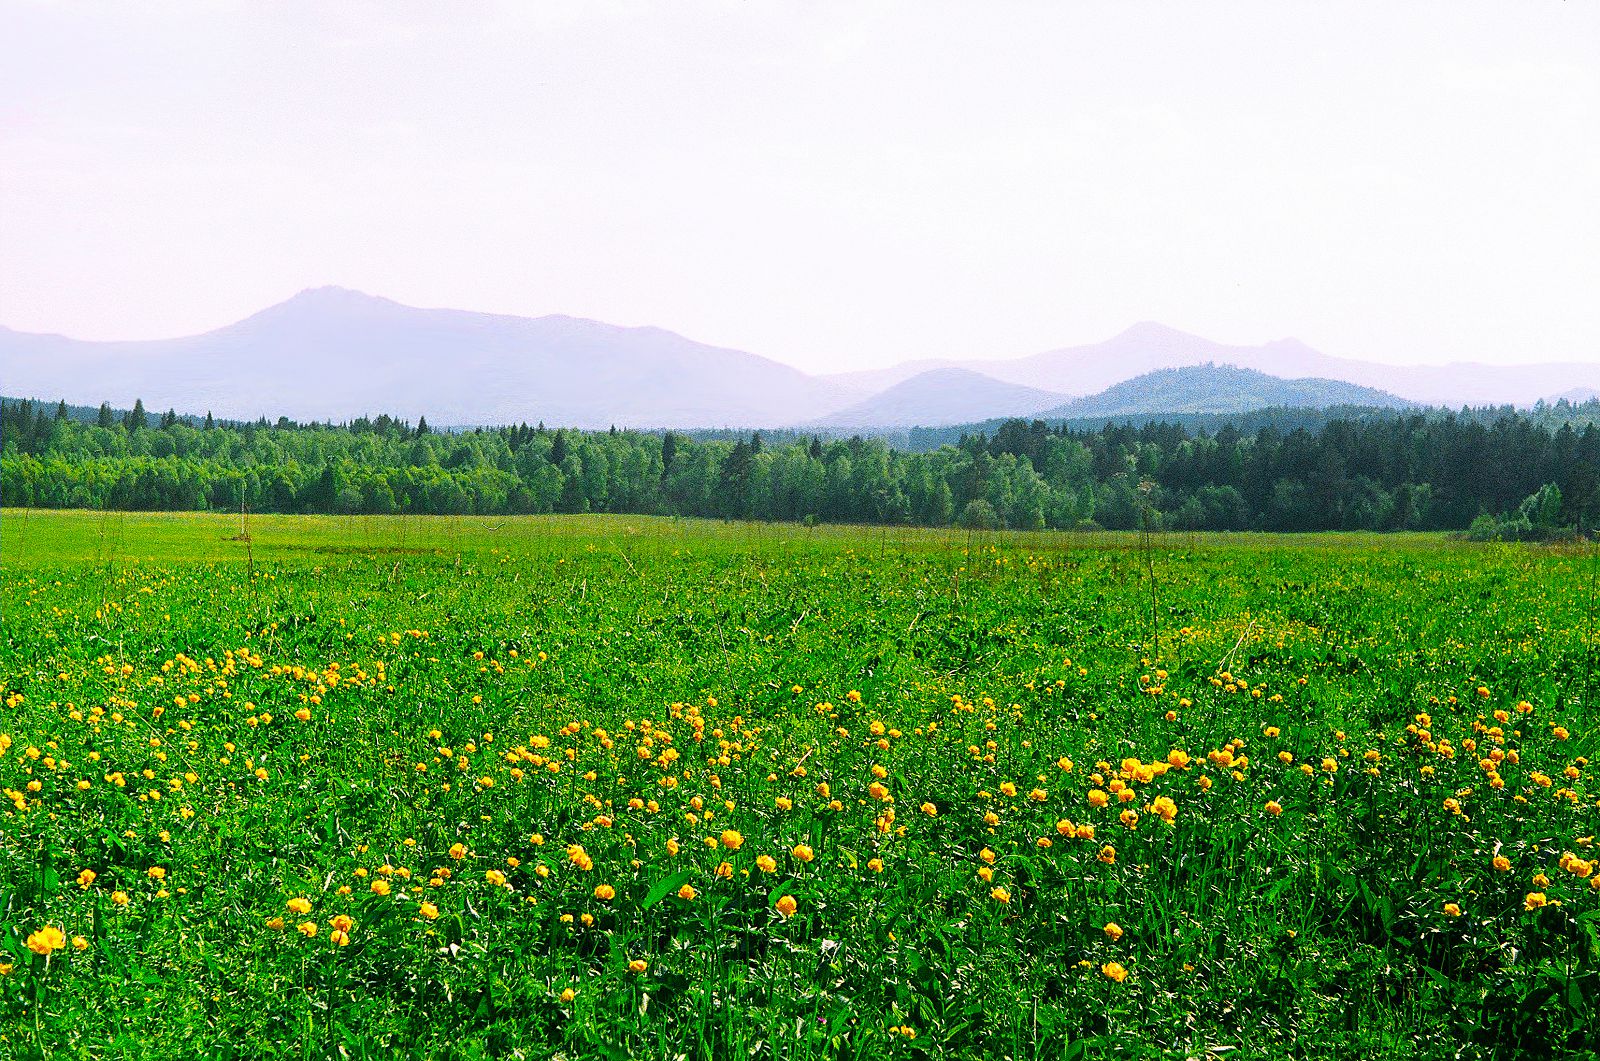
x=1274, y=807
x=605, y=892
x=339, y=937
x=1114, y=971
x=1098, y=798
x=458, y=851
x=1113, y=930
x=876, y=866
x=86, y=878
x=47, y=939
x=803, y=853
x=1000, y=895
x=428, y=910
x=687, y=893
x=495, y=877
x=568, y=995
x=79, y=943
x=1502, y=863
x=1534, y=900
x=380, y=887
x=299, y=905
x=638, y=965
x=731, y=839
x=308, y=929
x=786, y=905
x=1108, y=854
x=929, y=809
x=342, y=922
x=1452, y=910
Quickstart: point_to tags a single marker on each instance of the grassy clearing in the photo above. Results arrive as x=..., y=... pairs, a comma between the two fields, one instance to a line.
x=610, y=786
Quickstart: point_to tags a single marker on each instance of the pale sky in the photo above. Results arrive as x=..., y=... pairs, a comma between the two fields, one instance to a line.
x=835, y=185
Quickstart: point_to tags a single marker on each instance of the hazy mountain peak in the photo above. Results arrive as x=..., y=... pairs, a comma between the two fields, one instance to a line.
x=1289, y=344
x=323, y=304
x=940, y=396
x=331, y=296
x=1152, y=332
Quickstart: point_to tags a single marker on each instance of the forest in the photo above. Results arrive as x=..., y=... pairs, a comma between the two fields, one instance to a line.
x=1514, y=474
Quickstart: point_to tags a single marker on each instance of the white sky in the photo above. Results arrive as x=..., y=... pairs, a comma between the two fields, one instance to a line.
x=836, y=185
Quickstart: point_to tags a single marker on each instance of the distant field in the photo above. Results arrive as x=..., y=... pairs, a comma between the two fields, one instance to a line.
x=620, y=786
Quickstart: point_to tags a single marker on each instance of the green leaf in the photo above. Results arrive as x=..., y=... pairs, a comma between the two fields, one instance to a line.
x=664, y=887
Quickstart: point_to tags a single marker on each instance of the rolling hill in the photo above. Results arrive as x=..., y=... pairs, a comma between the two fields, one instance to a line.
x=1218, y=389
x=938, y=397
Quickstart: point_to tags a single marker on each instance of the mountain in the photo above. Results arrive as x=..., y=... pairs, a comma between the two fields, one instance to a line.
x=334, y=354
x=1149, y=346
x=1218, y=389
x=941, y=396
x=1575, y=396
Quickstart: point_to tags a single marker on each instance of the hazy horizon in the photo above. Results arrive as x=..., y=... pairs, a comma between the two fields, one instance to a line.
x=831, y=187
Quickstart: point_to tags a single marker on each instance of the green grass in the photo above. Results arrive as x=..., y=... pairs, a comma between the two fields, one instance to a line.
x=147, y=656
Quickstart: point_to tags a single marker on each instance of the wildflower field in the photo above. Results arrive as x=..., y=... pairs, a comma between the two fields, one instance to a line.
x=369, y=787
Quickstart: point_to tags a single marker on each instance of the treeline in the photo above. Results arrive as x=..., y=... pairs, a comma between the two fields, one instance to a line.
x=1376, y=473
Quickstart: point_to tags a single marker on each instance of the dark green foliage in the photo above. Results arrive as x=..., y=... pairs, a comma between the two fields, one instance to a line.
x=1368, y=472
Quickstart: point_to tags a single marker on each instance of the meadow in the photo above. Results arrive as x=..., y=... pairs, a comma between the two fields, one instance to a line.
x=613, y=786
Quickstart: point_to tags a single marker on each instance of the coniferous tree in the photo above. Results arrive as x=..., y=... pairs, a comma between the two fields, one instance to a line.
x=669, y=452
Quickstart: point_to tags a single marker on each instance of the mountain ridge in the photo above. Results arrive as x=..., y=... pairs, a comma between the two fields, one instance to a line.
x=333, y=353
